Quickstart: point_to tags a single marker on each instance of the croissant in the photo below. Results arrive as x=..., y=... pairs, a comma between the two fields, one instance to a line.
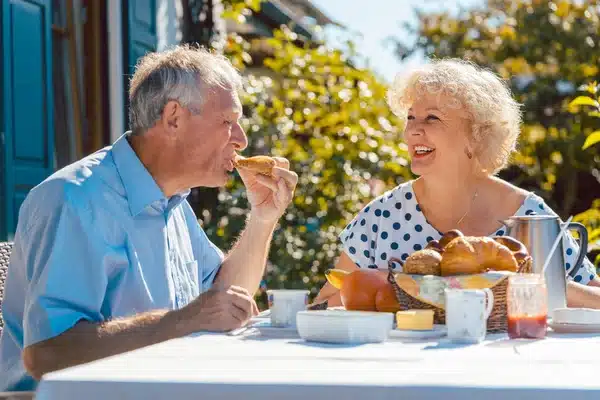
x=466, y=255
x=259, y=164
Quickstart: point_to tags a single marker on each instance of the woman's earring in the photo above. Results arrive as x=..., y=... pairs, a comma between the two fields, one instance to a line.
x=468, y=153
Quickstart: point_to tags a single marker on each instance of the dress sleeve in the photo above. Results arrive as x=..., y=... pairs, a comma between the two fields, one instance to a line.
x=359, y=237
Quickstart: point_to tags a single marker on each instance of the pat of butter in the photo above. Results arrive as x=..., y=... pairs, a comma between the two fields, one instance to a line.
x=415, y=320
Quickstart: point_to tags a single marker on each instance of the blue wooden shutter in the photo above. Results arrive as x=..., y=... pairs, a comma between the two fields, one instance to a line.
x=142, y=30
x=27, y=110
x=141, y=33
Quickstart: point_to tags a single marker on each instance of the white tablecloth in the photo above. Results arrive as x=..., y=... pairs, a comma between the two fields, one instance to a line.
x=211, y=366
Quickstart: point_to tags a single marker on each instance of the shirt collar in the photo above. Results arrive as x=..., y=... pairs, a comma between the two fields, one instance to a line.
x=140, y=187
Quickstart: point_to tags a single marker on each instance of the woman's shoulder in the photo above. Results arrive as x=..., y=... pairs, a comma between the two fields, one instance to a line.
x=384, y=205
x=524, y=202
x=519, y=201
x=499, y=188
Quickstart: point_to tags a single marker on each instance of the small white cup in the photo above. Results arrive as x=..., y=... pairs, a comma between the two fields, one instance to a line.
x=285, y=304
x=467, y=314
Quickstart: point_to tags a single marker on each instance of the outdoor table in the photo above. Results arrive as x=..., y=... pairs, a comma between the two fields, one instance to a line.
x=254, y=366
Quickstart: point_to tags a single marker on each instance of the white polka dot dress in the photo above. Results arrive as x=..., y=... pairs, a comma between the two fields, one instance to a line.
x=392, y=227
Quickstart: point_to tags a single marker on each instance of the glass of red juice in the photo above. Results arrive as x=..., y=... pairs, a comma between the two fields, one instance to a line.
x=527, y=306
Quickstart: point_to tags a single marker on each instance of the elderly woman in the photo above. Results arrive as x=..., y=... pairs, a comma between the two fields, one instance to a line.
x=462, y=125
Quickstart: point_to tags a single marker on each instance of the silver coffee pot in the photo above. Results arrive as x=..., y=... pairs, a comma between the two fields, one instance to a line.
x=538, y=233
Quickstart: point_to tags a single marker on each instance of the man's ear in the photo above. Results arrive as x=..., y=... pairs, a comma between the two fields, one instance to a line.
x=173, y=116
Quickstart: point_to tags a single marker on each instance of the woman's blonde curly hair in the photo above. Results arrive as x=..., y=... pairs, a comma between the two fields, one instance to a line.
x=494, y=114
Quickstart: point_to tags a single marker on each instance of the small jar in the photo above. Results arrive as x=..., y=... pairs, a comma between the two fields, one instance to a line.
x=527, y=306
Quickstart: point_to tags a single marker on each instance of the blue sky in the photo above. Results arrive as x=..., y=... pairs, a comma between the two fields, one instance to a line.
x=371, y=24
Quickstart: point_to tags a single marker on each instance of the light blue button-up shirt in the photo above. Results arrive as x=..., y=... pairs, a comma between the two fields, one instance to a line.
x=98, y=240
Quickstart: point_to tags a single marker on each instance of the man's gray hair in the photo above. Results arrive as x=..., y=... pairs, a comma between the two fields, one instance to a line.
x=182, y=74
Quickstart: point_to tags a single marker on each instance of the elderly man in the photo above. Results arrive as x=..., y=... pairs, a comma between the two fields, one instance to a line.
x=109, y=256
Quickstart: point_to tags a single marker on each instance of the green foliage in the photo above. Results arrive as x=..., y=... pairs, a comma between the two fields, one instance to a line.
x=238, y=10
x=591, y=219
x=306, y=103
x=594, y=110
x=591, y=105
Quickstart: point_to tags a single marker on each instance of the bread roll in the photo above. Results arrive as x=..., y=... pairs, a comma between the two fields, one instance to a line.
x=258, y=164
x=435, y=245
x=423, y=262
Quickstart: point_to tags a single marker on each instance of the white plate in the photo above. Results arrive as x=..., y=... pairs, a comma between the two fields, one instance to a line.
x=576, y=316
x=264, y=328
x=438, y=331
x=574, y=328
x=337, y=326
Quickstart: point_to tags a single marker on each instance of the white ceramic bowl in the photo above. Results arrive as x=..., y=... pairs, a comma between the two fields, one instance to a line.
x=337, y=326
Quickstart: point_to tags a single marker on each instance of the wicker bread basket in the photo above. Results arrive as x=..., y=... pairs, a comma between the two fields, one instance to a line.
x=497, y=322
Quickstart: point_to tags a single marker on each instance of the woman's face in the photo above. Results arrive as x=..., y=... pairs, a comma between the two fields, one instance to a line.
x=436, y=135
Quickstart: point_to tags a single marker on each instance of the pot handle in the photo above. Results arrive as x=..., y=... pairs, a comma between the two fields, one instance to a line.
x=583, y=245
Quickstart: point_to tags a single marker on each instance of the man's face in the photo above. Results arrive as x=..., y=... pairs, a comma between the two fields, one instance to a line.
x=212, y=138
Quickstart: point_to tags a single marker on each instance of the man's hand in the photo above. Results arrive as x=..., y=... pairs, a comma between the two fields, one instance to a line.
x=220, y=309
x=269, y=197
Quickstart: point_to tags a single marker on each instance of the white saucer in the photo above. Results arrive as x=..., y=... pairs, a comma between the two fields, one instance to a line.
x=266, y=329
x=574, y=328
x=438, y=331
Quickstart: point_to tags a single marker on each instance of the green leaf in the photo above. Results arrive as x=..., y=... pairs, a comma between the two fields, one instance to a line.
x=592, y=139
x=584, y=101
